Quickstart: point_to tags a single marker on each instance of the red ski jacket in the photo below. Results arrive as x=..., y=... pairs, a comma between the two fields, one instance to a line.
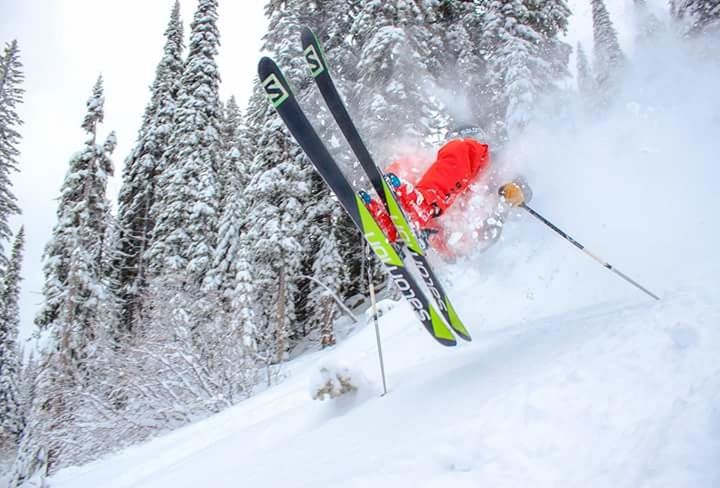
x=458, y=164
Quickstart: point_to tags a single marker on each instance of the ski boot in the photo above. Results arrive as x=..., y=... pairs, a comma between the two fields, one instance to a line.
x=418, y=208
x=377, y=210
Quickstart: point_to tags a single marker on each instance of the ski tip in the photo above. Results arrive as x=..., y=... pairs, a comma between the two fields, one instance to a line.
x=306, y=35
x=313, y=52
x=438, y=329
x=447, y=342
x=459, y=329
x=455, y=323
x=466, y=337
x=273, y=82
x=265, y=65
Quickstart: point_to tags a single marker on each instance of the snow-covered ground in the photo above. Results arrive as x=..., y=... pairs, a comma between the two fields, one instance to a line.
x=615, y=394
x=574, y=378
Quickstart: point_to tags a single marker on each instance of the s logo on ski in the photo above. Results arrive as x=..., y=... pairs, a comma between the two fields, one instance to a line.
x=314, y=61
x=275, y=91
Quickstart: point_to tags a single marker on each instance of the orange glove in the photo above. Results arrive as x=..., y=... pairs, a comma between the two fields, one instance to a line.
x=512, y=193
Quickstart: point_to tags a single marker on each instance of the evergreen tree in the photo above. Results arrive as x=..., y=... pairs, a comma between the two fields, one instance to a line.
x=30, y=459
x=142, y=169
x=186, y=209
x=585, y=81
x=463, y=35
x=328, y=223
x=674, y=8
x=242, y=308
x=223, y=275
x=185, y=316
x=279, y=189
x=75, y=289
x=77, y=307
x=526, y=56
x=609, y=58
x=328, y=269
x=391, y=92
x=11, y=95
x=11, y=414
x=233, y=153
x=700, y=15
x=647, y=23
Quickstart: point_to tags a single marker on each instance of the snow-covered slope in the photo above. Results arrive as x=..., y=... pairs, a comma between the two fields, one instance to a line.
x=621, y=394
x=574, y=378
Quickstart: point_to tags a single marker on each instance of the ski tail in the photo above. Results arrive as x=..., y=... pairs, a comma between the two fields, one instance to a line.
x=283, y=100
x=320, y=71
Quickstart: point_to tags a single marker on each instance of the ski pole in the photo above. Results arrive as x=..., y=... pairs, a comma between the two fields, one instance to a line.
x=582, y=248
x=377, y=331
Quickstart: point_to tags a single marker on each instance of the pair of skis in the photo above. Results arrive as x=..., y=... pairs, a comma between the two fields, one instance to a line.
x=442, y=326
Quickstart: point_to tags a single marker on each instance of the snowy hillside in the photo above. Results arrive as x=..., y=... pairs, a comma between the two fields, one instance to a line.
x=616, y=394
x=574, y=378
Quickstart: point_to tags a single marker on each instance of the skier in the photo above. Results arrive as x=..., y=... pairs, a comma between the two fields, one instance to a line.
x=460, y=162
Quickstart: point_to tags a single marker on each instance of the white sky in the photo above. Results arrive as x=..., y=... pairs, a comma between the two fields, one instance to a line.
x=64, y=45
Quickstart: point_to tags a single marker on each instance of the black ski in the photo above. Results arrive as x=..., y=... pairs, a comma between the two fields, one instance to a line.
x=282, y=98
x=319, y=69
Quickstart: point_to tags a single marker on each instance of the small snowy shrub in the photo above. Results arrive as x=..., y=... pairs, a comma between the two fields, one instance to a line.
x=335, y=379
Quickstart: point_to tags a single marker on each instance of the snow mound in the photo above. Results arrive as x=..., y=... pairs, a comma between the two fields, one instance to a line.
x=335, y=379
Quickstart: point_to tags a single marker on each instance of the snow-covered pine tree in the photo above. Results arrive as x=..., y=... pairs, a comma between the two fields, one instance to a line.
x=278, y=222
x=77, y=304
x=647, y=23
x=142, y=167
x=585, y=80
x=228, y=275
x=332, y=248
x=75, y=290
x=332, y=20
x=242, y=308
x=673, y=4
x=182, y=313
x=700, y=15
x=609, y=58
x=391, y=93
x=525, y=57
x=30, y=458
x=11, y=415
x=234, y=156
x=187, y=191
x=328, y=269
x=11, y=95
x=233, y=345
x=460, y=30
x=279, y=189
x=221, y=277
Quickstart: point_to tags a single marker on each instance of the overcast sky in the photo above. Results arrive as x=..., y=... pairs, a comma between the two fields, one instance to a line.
x=64, y=46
